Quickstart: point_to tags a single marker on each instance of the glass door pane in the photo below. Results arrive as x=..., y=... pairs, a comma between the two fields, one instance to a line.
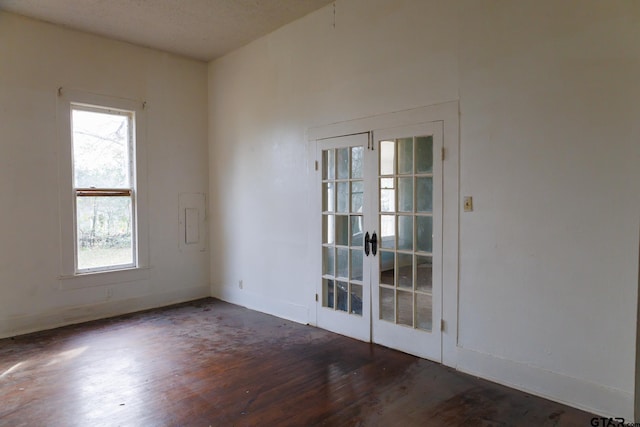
x=343, y=233
x=344, y=280
x=406, y=231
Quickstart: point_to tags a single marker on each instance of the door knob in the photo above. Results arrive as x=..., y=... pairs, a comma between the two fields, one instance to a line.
x=366, y=243
x=374, y=243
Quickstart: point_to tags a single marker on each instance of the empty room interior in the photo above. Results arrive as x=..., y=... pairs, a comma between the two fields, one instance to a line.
x=413, y=189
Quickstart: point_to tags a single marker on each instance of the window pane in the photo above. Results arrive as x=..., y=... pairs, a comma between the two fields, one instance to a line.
x=405, y=194
x=328, y=197
x=100, y=149
x=104, y=232
x=328, y=229
x=342, y=297
x=405, y=271
x=424, y=312
x=356, y=299
x=342, y=262
x=343, y=163
x=387, y=231
x=387, y=195
x=328, y=292
x=387, y=268
x=387, y=157
x=405, y=156
x=328, y=260
x=424, y=194
x=405, y=232
x=424, y=272
x=387, y=305
x=343, y=197
x=328, y=164
x=356, y=162
x=356, y=231
x=424, y=154
x=342, y=230
x=356, y=264
x=425, y=233
x=405, y=308
x=357, y=189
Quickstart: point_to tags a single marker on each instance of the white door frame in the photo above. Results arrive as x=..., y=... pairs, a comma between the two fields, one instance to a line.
x=448, y=114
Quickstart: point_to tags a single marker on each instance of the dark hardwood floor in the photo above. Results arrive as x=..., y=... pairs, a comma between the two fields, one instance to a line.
x=209, y=363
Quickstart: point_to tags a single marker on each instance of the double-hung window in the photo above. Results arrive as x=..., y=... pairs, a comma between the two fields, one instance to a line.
x=103, y=152
x=102, y=189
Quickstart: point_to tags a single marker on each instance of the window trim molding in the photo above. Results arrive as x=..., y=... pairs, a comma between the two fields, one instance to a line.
x=69, y=277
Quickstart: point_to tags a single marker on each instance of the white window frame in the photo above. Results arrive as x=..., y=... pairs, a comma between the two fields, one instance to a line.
x=70, y=276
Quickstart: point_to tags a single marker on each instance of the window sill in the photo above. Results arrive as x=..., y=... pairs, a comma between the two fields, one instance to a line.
x=102, y=278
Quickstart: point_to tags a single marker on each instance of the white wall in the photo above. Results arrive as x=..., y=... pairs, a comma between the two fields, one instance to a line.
x=35, y=59
x=548, y=149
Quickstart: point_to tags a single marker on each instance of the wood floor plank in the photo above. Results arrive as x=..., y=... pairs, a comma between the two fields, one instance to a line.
x=209, y=363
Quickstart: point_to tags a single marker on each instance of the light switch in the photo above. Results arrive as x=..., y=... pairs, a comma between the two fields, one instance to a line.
x=468, y=204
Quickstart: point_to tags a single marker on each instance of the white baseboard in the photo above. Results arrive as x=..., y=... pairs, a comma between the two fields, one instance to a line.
x=575, y=392
x=18, y=325
x=283, y=309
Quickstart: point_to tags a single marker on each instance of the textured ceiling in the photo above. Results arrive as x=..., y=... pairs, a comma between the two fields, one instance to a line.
x=201, y=29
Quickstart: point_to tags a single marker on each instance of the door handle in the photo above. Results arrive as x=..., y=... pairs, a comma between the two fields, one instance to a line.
x=366, y=243
x=374, y=243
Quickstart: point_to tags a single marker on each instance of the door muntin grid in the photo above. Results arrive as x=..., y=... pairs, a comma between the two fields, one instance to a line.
x=405, y=259
x=342, y=229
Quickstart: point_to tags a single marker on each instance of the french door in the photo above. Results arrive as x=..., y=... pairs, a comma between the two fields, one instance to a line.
x=381, y=222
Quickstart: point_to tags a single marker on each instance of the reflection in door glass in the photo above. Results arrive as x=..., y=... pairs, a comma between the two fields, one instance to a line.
x=327, y=293
x=343, y=163
x=405, y=156
x=405, y=232
x=342, y=262
x=342, y=230
x=328, y=261
x=342, y=300
x=328, y=197
x=356, y=231
x=424, y=313
x=356, y=162
x=405, y=308
x=425, y=233
x=387, y=231
x=424, y=194
x=356, y=299
x=405, y=194
x=405, y=271
x=387, y=195
x=328, y=229
x=328, y=164
x=387, y=268
x=424, y=273
x=357, y=189
x=387, y=157
x=424, y=154
x=343, y=197
x=387, y=305
x=356, y=264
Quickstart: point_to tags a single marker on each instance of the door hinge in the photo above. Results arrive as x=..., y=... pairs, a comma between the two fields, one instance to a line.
x=443, y=153
x=442, y=325
x=316, y=297
x=316, y=165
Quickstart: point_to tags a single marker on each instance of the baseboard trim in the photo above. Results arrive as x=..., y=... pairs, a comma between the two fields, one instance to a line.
x=575, y=392
x=251, y=300
x=24, y=324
